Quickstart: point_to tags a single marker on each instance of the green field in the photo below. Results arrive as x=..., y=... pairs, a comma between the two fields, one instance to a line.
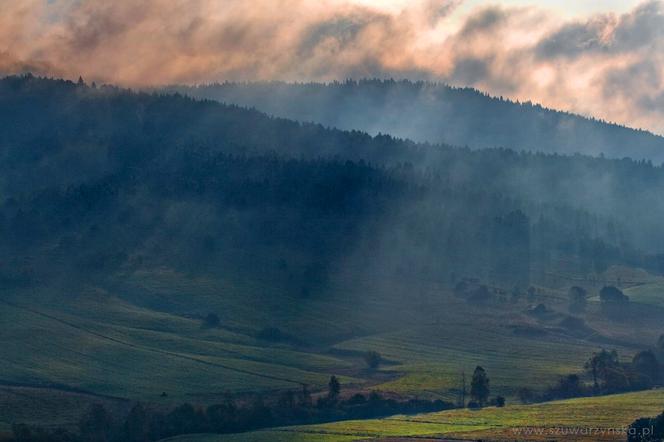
x=110, y=347
x=138, y=336
x=650, y=293
x=267, y=436
x=97, y=340
x=433, y=361
x=548, y=421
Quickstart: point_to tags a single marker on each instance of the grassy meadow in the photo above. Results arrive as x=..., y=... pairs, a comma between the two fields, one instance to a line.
x=154, y=349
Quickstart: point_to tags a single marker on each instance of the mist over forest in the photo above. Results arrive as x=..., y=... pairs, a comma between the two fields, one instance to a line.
x=114, y=175
x=437, y=113
x=253, y=255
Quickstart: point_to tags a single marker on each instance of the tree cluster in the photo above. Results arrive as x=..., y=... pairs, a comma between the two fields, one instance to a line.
x=605, y=374
x=143, y=424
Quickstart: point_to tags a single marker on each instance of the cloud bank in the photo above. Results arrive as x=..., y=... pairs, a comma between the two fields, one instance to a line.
x=607, y=65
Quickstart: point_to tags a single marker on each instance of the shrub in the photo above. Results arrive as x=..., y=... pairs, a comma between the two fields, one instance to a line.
x=526, y=395
x=272, y=334
x=373, y=359
x=646, y=365
x=614, y=302
x=211, y=321
x=577, y=299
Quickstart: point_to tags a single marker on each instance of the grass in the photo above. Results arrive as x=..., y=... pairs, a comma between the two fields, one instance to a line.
x=650, y=293
x=437, y=353
x=132, y=338
x=641, y=287
x=156, y=353
x=522, y=422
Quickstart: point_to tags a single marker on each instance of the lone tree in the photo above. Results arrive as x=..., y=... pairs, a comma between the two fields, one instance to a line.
x=373, y=359
x=614, y=302
x=479, y=386
x=646, y=366
x=333, y=388
x=577, y=299
x=601, y=366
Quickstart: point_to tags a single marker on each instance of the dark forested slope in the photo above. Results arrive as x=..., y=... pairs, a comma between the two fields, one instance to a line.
x=428, y=112
x=100, y=179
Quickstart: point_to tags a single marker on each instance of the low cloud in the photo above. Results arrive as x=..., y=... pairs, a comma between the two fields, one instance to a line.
x=605, y=65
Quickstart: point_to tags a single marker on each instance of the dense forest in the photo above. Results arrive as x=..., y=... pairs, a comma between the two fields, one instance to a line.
x=97, y=179
x=431, y=112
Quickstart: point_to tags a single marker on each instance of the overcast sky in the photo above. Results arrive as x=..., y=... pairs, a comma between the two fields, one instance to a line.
x=601, y=58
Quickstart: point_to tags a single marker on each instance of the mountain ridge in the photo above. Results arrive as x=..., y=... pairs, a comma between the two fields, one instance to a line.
x=437, y=113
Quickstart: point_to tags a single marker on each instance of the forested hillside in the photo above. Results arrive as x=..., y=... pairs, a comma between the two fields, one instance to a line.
x=99, y=179
x=429, y=112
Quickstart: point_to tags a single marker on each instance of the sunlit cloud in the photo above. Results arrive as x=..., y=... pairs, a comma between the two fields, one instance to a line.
x=606, y=64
